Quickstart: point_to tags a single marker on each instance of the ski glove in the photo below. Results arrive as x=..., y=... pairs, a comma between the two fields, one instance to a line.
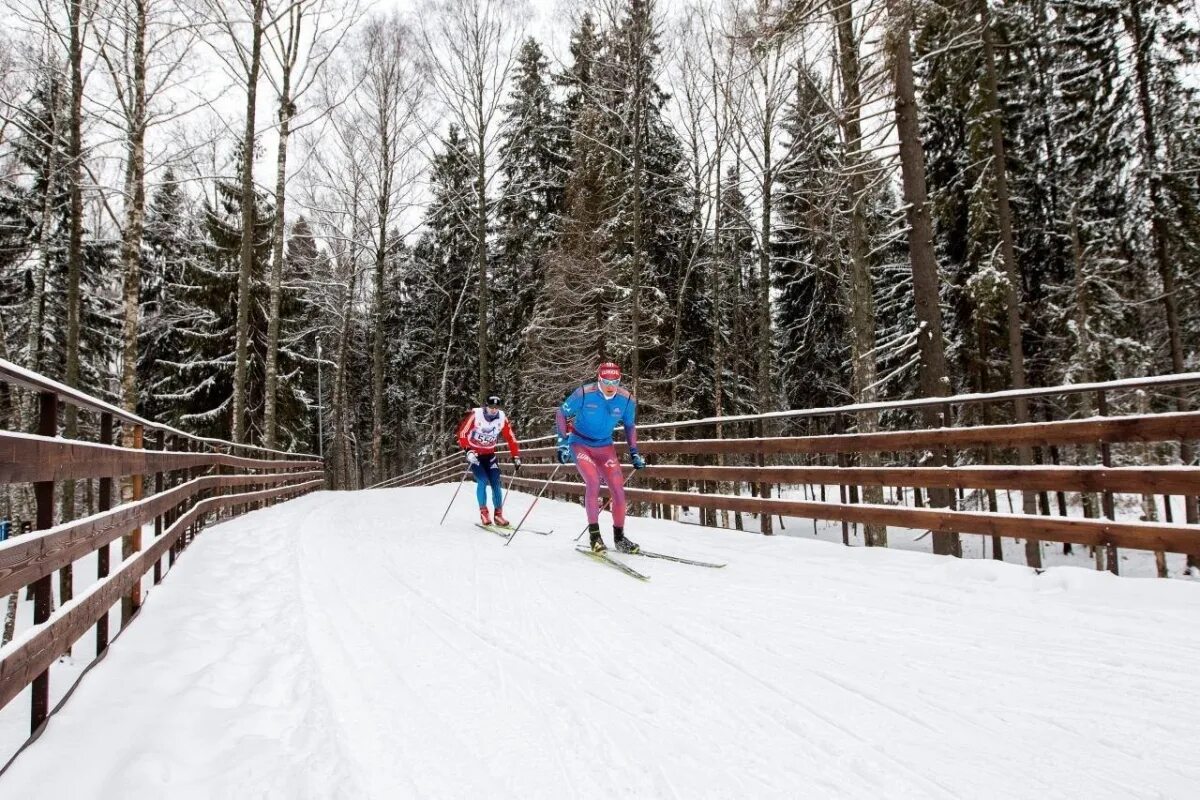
x=564, y=454
x=472, y=458
x=638, y=461
x=517, y=464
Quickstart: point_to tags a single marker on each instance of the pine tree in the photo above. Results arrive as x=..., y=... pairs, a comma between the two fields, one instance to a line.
x=167, y=248
x=575, y=321
x=439, y=354
x=736, y=288
x=32, y=218
x=528, y=215
x=1096, y=149
x=647, y=205
x=203, y=384
x=35, y=222
x=811, y=310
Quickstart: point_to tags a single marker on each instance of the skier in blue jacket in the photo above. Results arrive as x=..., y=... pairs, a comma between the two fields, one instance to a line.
x=585, y=424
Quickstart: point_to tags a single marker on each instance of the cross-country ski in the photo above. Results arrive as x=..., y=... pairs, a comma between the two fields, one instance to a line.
x=604, y=558
x=677, y=559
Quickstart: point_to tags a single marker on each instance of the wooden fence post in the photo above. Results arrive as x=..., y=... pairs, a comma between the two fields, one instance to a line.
x=132, y=541
x=172, y=513
x=102, y=555
x=160, y=442
x=1109, y=505
x=43, y=492
x=948, y=456
x=843, y=489
x=764, y=489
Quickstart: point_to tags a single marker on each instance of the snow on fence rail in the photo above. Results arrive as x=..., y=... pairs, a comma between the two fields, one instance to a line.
x=979, y=457
x=190, y=475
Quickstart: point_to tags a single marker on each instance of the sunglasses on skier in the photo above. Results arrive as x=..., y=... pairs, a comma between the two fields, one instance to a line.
x=610, y=383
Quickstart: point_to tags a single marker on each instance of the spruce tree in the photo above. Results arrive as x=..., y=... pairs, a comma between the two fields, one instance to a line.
x=810, y=280
x=35, y=230
x=168, y=245
x=203, y=383
x=528, y=215
x=440, y=316
x=648, y=214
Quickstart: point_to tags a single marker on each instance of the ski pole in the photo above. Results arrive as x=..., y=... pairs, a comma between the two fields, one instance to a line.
x=607, y=501
x=534, y=503
x=507, y=489
x=455, y=497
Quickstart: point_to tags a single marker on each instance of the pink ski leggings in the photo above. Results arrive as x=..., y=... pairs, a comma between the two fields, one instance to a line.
x=597, y=464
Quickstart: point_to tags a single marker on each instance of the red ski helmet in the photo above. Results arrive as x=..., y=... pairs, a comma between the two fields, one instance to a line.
x=609, y=373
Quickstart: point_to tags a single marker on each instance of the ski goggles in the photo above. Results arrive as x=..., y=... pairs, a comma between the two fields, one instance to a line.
x=610, y=382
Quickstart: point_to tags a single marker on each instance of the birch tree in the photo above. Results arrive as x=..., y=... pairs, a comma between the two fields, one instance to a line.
x=241, y=25
x=472, y=47
x=300, y=41
x=389, y=74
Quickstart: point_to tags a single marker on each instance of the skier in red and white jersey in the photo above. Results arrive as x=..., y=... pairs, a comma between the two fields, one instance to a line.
x=478, y=434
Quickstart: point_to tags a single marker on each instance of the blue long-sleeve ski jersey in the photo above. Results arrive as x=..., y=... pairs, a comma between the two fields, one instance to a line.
x=588, y=417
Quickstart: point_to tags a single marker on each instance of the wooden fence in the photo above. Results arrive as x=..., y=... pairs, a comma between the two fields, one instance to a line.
x=192, y=480
x=1147, y=455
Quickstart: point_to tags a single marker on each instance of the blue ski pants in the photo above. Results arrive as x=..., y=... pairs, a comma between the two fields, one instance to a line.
x=487, y=473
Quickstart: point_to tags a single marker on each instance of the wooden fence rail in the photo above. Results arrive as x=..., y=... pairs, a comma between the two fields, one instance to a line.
x=1128, y=480
x=1096, y=533
x=1074, y=456
x=1147, y=428
x=25, y=559
x=189, y=477
x=27, y=458
x=32, y=653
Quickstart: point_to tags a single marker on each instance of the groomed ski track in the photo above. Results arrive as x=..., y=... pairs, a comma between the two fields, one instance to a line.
x=345, y=645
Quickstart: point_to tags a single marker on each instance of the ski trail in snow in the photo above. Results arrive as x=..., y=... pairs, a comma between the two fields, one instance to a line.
x=346, y=645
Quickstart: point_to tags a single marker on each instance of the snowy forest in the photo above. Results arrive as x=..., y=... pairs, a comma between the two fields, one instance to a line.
x=325, y=226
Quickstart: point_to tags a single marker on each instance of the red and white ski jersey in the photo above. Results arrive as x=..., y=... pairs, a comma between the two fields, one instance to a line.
x=481, y=434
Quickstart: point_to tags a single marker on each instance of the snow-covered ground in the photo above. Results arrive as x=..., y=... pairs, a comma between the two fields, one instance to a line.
x=345, y=645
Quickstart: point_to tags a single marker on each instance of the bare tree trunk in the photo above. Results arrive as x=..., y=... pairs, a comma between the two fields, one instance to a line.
x=638, y=211
x=135, y=193
x=383, y=211
x=933, y=373
x=377, y=345
x=1008, y=253
x=1087, y=500
x=246, y=266
x=286, y=110
x=481, y=215
x=763, y=301
x=74, y=178
x=1158, y=228
x=341, y=435
x=74, y=265
x=1149, y=504
x=862, y=299
x=14, y=421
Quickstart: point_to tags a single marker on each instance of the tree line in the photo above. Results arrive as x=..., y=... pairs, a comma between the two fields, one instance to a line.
x=751, y=204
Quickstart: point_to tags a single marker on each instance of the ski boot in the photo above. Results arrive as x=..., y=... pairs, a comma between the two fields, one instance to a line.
x=622, y=544
x=485, y=519
x=597, y=542
x=498, y=518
